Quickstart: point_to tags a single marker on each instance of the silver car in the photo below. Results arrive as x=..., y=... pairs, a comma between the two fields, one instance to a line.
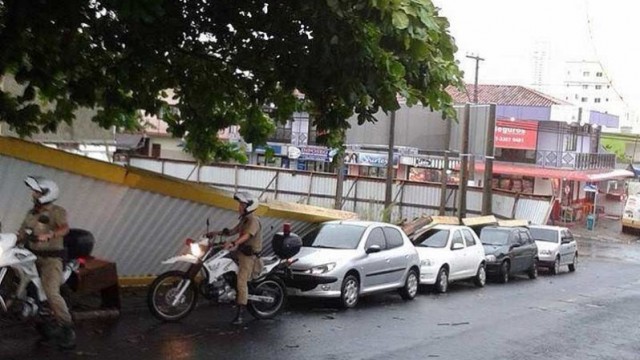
x=556, y=247
x=347, y=259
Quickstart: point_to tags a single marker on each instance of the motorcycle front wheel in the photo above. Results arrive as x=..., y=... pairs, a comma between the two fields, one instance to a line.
x=271, y=287
x=164, y=299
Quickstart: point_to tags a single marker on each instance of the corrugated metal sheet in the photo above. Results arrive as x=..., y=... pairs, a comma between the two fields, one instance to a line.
x=535, y=211
x=135, y=228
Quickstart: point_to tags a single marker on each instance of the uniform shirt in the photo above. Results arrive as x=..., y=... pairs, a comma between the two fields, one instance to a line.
x=251, y=225
x=44, y=220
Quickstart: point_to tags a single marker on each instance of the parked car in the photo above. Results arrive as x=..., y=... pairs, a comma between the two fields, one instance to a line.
x=348, y=259
x=556, y=247
x=448, y=253
x=509, y=251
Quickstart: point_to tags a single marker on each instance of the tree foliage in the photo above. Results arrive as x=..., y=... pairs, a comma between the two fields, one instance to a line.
x=228, y=62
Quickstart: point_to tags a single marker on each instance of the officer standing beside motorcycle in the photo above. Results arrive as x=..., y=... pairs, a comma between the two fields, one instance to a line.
x=246, y=247
x=43, y=230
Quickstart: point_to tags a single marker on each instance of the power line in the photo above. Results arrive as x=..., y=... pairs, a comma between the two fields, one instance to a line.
x=597, y=56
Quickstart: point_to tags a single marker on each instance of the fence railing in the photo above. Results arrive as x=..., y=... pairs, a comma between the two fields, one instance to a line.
x=362, y=195
x=575, y=160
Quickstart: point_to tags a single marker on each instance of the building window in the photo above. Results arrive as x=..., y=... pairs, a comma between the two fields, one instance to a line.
x=608, y=86
x=584, y=99
x=572, y=142
x=585, y=73
x=596, y=100
x=607, y=99
x=566, y=98
x=598, y=74
x=576, y=97
x=598, y=87
x=585, y=87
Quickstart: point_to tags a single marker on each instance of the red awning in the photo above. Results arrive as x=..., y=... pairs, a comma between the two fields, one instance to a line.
x=542, y=172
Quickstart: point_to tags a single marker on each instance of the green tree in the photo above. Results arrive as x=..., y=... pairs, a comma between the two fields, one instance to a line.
x=228, y=62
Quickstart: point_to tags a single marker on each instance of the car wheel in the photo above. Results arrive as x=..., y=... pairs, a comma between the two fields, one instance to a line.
x=442, y=281
x=410, y=289
x=350, y=292
x=556, y=266
x=574, y=264
x=481, y=276
x=504, y=272
x=533, y=270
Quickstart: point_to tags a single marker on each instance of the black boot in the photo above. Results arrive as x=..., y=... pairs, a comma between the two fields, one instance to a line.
x=239, y=320
x=49, y=332
x=67, y=338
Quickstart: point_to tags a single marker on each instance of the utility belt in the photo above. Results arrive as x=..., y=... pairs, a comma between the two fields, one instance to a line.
x=61, y=253
x=247, y=250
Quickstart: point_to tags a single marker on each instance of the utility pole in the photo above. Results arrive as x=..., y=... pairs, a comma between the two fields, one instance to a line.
x=445, y=169
x=477, y=59
x=339, y=176
x=464, y=164
x=388, y=194
x=487, y=182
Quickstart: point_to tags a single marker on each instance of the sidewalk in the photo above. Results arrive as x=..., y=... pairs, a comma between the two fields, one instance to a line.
x=606, y=229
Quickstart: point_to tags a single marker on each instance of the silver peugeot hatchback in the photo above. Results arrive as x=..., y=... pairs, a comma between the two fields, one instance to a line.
x=348, y=259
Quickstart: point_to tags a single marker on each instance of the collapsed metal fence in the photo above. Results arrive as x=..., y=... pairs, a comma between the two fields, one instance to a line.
x=362, y=195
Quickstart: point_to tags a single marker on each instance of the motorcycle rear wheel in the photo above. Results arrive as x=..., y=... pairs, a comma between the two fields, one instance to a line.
x=273, y=287
x=162, y=292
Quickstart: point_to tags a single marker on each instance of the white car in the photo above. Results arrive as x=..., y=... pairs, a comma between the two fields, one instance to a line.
x=556, y=247
x=448, y=253
x=349, y=259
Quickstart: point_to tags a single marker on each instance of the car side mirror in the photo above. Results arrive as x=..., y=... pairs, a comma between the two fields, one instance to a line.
x=457, y=246
x=373, y=249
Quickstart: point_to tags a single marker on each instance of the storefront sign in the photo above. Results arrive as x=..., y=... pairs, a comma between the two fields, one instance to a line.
x=369, y=159
x=516, y=134
x=314, y=153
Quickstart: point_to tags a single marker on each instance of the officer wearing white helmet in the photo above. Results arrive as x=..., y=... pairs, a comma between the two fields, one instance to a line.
x=43, y=231
x=246, y=247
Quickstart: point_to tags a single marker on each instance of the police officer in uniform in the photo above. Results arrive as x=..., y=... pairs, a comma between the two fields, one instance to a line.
x=43, y=230
x=246, y=247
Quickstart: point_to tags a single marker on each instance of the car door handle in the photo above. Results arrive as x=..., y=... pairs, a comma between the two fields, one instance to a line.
x=387, y=260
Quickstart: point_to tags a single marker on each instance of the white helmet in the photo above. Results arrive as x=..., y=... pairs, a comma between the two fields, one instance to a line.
x=249, y=200
x=46, y=187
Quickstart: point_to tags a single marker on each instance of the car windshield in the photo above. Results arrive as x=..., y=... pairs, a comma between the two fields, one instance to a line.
x=335, y=236
x=434, y=238
x=547, y=235
x=494, y=237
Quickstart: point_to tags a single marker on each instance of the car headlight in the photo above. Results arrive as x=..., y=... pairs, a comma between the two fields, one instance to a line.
x=545, y=252
x=321, y=269
x=196, y=250
x=490, y=258
x=426, y=262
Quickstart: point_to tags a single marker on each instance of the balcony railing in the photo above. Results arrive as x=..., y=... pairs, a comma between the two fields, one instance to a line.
x=575, y=160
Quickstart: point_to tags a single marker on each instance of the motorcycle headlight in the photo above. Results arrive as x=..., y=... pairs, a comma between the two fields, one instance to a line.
x=426, y=262
x=545, y=252
x=490, y=258
x=196, y=250
x=321, y=269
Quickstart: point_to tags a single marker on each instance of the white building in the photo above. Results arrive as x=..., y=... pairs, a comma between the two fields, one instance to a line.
x=586, y=85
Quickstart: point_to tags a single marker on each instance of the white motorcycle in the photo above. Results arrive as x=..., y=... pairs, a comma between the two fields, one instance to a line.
x=212, y=274
x=22, y=296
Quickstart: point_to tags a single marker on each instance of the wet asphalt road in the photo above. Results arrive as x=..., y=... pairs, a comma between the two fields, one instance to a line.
x=590, y=314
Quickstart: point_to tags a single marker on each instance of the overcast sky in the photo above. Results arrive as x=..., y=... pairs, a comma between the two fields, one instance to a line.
x=505, y=33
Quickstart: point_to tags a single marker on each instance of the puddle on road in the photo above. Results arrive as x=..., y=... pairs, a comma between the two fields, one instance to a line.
x=610, y=251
